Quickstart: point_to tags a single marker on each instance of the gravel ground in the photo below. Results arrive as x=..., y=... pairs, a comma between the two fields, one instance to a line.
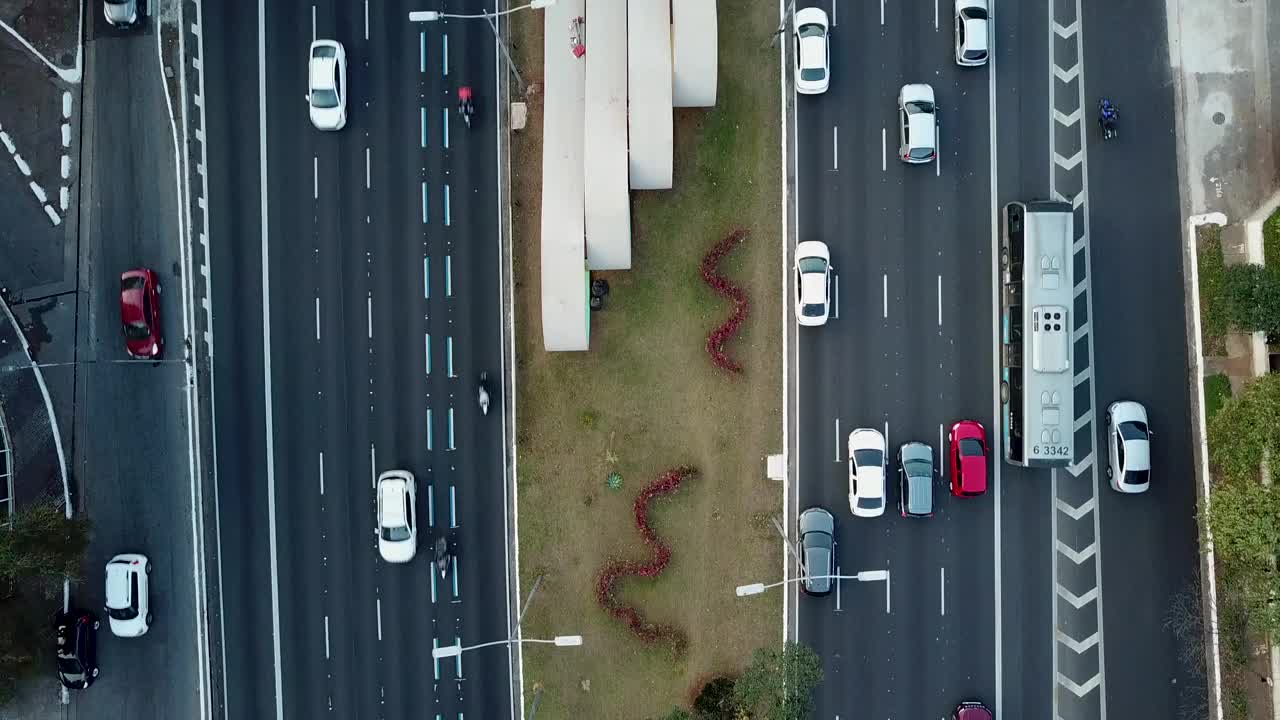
x=51, y=26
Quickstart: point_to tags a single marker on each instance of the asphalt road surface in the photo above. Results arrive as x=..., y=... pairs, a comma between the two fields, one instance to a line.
x=372, y=295
x=975, y=593
x=131, y=460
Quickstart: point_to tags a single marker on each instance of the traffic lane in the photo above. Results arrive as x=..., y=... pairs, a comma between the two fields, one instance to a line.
x=1020, y=62
x=1025, y=655
x=1144, y=361
x=131, y=456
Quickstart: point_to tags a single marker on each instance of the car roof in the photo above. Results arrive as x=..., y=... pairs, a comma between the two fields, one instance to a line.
x=975, y=34
x=322, y=73
x=1137, y=455
x=813, y=52
x=922, y=127
x=813, y=288
x=118, y=590
x=394, y=494
x=870, y=482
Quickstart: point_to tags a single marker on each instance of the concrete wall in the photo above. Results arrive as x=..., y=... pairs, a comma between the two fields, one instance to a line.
x=608, y=208
x=649, y=93
x=694, y=53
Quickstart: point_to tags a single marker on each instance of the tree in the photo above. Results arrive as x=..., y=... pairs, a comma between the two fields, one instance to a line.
x=779, y=683
x=40, y=547
x=677, y=714
x=716, y=701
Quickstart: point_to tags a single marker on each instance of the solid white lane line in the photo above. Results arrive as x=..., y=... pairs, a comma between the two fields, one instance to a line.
x=268, y=410
x=835, y=147
x=322, y=473
x=369, y=313
x=444, y=125
x=837, y=440
x=423, y=113
x=837, y=303
x=315, y=177
x=313, y=23
x=886, y=435
x=833, y=545
x=884, y=149
x=882, y=12
x=424, y=202
x=426, y=278
x=992, y=185
x=366, y=19
x=453, y=509
x=446, y=205
x=935, y=15
x=368, y=179
x=942, y=574
x=317, y=318
x=942, y=463
x=326, y=637
x=378, y=601
x=885, y=294
x=445, y=54
x=887, y=580
x=939, y=301
x=428, y=352
x=835, y=6
x=373, y=466
x=937, y=159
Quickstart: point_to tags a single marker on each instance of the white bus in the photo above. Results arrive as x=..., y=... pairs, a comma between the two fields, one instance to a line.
x=1037, y=377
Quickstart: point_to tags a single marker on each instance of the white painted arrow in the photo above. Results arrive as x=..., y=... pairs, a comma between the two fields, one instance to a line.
x=1075, y=513
x=1077, y=601
x=1078, y=645
x=1077, y=557
x=1079, y=690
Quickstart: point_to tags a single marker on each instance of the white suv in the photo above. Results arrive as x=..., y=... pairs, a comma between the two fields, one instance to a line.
x=866, y=472
x=128, y=598
x=397, y=526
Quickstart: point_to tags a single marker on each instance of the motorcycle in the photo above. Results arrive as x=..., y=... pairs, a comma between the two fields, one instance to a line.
x=465, y=107
x=484, y=393
x=442, y=556
x=1108, y=114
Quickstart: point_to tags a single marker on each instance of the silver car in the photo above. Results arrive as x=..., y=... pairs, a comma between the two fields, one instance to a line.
x=121, y=13
x=818, y=547
x=1128, y=447
x=918, y=122
x=915, y=480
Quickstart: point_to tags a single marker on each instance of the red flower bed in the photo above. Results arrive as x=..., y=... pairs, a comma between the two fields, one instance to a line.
x=729, y=328
x=615, y=570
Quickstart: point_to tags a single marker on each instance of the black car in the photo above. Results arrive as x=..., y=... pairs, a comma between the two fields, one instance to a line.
x=77, y=640
x=818, y=547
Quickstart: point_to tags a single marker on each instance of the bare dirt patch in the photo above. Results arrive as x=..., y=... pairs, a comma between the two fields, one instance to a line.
x=51, y=26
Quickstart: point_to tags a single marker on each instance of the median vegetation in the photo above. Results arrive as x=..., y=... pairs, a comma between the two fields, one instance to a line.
x=594, y=428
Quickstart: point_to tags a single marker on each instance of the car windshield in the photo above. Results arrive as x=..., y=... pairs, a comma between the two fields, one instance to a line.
x=132, y=283
x=974, y=13
x=974, y=54
x=395, y=534
x=813, y=74
x=69, y=665
x=917, y=468
x=1133, y=431
x=809, y=30
x=137, y=330
x=921, y=153
x=1137, y=477
x=868, y=503
x=813, y=310
x=126, y=613
x=812, y=265
x=324, y=98
x=868, y=457
x=970, y=447
x=918, y=106
x=817, y=540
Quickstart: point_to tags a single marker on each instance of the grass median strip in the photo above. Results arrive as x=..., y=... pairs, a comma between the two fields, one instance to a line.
x=646, y=398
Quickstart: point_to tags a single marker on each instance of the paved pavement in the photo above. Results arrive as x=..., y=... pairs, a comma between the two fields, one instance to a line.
x=998, y=597
x=381, y=247
x=130, y=461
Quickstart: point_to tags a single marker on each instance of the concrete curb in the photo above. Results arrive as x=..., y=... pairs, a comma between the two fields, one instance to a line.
x=1200, y=450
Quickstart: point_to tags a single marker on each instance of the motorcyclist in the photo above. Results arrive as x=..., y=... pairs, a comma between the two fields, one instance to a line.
x=484, y=393
x=465, y=108
x=442, y=555
x=1108, y=114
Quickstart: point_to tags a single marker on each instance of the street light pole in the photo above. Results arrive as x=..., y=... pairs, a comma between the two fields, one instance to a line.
x=456, y=650
x=757, y=588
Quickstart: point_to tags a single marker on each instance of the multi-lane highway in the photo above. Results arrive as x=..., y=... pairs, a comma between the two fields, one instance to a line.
x=999, y=597
x=356, y=299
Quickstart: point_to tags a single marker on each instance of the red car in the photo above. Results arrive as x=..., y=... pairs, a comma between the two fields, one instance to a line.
x=971, y=709
x=140, y=313
x=969, y=453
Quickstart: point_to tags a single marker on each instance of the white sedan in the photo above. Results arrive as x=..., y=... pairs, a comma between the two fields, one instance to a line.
x=327, y=85
x=813, y=283
x=128, y=603
x=866, y=472
x=397, y=524
x=919, y=124
x=1128, y=447
x=971, y=33
x=812, y=51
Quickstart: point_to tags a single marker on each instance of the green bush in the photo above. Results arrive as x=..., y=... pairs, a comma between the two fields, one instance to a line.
x=1271, y=241
x=1252, y=295
x=1213, y=313
x=1217, y=390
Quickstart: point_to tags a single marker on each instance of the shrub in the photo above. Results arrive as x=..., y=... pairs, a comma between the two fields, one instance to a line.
x=729, y=328
x=1252, y=295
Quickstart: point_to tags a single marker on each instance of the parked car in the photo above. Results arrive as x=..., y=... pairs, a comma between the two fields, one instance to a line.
x=397, y=524
x=140, y=313
x=915, y=480
x=76, y=637
x=969, y=451
x=1128, y=447
x=917, y=112
x=971, y=710
x=866, y=472
x=818, y=548
x=121, y=13
x=128, y=595
x=812, y=51
x=327, y=85
x=971, y=33
x=813, y=283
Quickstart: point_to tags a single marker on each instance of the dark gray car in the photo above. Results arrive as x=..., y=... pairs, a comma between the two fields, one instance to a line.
x=818, y=546
x=915, y=480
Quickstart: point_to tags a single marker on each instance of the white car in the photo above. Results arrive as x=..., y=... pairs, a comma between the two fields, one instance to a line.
x=128, y=603
x=812, y=51
x=866, y=472
x=971, y=33
x=813, y=283
x=1128, y=447
x=327, y=85
x=919, y=124
x=121, y=13
x=397, y=524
